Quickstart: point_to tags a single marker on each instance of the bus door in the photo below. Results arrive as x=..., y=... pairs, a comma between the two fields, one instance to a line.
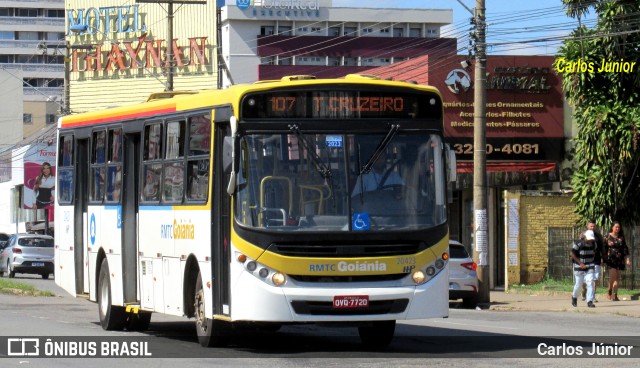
x=221, y=216
x=81, y=223
x=129, y=217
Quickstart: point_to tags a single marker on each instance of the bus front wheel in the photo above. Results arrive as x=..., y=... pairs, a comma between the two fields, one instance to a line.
x=210, y=332
x=378, y=335
x=112, y=317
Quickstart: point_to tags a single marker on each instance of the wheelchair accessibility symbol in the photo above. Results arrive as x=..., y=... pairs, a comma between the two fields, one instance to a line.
x=360, y=221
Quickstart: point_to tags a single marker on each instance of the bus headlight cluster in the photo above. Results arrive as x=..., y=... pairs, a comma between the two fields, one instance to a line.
x=264, y=273
x=431, y=270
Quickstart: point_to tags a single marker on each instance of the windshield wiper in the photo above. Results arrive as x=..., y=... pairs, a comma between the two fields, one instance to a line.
x=381, y=147
x=322, y=168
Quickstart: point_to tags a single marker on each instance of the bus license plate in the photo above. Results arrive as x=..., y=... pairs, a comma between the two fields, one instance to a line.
x=37, y=264
x=351, y=301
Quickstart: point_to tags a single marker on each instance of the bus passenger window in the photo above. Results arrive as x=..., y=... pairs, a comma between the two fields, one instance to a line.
x=199, y=135
x=67, y=151
x=152, y=142
x=151, y=185
x=198, y=185
x=115, y=145
x=98, y=148
x=114, y=183
x=97, y=189
x=173, y=182
x=65, y=185
x=175, y=140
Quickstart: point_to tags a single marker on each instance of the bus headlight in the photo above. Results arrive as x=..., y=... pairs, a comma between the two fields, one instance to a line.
x=278, y=279
x=263, y=272
x=418, y=277
x=251, y=266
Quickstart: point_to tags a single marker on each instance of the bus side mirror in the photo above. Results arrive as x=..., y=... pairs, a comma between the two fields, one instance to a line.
x=452, y=174
x=228, y=155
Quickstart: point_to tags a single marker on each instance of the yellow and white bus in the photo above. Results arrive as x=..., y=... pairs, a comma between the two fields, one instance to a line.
x=245, y=206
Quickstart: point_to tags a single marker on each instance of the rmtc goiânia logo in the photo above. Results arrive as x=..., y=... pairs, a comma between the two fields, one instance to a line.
x=243, y=4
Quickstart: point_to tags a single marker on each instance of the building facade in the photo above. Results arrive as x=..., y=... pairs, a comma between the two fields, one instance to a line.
x=262, y=40
x=32, y=52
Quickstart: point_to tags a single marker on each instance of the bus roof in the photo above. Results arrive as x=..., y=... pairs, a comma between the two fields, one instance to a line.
x=169, y=102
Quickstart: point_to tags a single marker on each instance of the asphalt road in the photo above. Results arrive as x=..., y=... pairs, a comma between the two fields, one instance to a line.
x=482, y=337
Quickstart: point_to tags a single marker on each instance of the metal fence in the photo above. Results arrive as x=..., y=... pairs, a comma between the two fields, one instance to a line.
x=560, y=265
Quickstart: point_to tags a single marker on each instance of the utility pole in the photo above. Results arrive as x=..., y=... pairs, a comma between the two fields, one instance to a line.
x=169, y=86
x=170, y=62
x=480, y=223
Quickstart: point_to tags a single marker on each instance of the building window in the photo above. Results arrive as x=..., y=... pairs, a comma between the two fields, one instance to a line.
x=334, y=31
x=303, y=29
x=55, y=13
x=316, y=29
x=384, y=30
x=27, y=119
x=27, y=36
x=6, y=12
x=284, y=31
x=350, y=31
x=26, y=12
x=7, y=35
x=51, y=118
x=385, y=60
x=398, y=32
x=367, y=30
x=266, y=30
x=415, y=32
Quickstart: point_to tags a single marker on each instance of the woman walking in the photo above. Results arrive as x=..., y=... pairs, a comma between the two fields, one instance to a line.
x=617, y=258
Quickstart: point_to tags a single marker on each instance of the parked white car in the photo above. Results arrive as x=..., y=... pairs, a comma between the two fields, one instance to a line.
x=463, y=280
x=27, y=253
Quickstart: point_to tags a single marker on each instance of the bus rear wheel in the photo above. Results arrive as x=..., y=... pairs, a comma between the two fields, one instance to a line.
x=378, y=335
x=210, y=332
x=112, y=317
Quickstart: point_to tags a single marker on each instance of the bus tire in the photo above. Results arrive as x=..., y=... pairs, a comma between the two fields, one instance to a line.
x=112, y=317
x=378, y=335
x=210, y=332
x=139, y=321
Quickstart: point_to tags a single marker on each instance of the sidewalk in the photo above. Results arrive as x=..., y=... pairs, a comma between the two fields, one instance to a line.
x=549, y=301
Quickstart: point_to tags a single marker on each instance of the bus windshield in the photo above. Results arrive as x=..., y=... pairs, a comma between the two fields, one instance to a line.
x=301, y=181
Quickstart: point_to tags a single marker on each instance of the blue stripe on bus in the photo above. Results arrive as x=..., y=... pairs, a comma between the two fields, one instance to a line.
x=156, y=208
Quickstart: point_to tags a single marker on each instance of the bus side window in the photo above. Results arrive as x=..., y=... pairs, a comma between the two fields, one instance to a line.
x=98, y=147
x=65, y=172
x=198, y=151
x=173, y=181
x=97, y=171
x=198, y=185
x=152, y=142
x=115, y=145
x=151, y=182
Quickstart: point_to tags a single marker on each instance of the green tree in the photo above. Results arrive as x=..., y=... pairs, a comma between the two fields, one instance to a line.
x=606, y=179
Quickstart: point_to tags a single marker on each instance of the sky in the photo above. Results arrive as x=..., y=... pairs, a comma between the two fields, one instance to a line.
x=513, y=25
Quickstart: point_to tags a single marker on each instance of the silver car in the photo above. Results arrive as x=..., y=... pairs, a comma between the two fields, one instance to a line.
x=463, y=280
x=27, y=253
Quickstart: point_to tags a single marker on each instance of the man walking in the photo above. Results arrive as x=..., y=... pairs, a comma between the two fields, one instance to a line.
x=599, y=259
x=583, y=255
